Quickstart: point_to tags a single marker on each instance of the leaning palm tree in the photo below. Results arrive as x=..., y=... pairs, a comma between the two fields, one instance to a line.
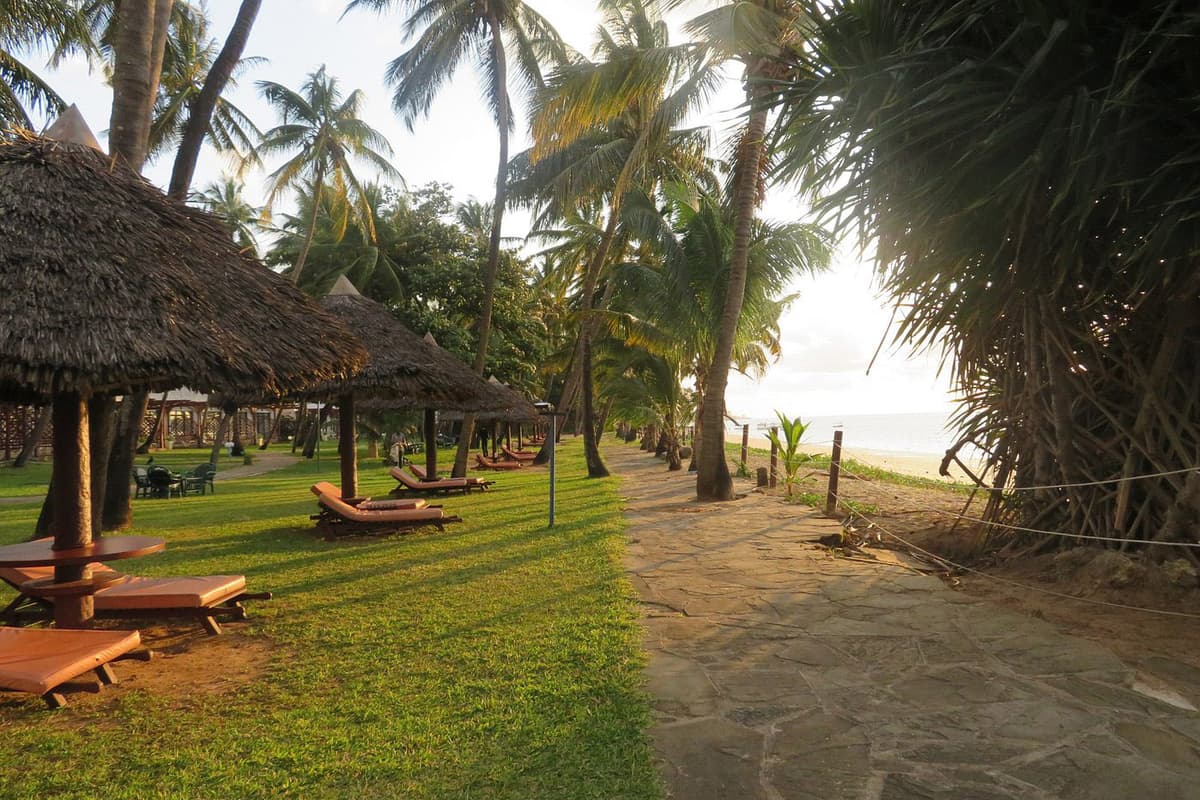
x=320, y=130
x=446, y=32
x=757, y=33
x=56, y=25
x=187, y=62
x=612, y=128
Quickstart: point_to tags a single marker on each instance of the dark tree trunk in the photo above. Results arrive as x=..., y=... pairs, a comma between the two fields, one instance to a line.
x=347, y=446
x=591, y=449
x=29, y=446
x=602, y=423
x=713, y=481
x=314, y=432
x=103, y=424
x=117, y=505
x=302, y=417
x=156, y=428
x=274, y=430
x=219, y=437
x=201, y=108
x=492, y=270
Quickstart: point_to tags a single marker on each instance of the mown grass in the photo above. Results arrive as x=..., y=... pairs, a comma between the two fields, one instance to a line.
x=500, y=659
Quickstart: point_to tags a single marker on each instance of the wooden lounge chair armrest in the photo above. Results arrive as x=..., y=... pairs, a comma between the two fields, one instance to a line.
x=255, y=596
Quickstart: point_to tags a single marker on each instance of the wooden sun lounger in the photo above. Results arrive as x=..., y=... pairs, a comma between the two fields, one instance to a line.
x=518, y=455
x=209, y=599
x=421, y=474
x=40, y=660
x=339, y=518
x=443, y=486
x=483, y=463
x=366, y=503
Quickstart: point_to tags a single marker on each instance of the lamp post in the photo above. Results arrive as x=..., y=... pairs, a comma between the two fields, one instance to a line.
x=547, y=409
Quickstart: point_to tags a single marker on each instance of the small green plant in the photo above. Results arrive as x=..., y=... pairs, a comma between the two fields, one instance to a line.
x=789, y=448
x=742, y=470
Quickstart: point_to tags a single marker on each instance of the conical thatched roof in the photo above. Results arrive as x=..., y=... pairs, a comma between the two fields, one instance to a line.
x=107, y=285
x=403, y=370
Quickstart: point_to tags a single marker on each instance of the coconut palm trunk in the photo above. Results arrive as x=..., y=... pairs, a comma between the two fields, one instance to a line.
x=202, y=107
x=491, y=270
x=713, y=481
x=114, y=487
x=29, y=446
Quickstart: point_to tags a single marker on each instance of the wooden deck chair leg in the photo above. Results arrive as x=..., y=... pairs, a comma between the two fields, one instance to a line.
x=106, y=675
x=54, y=700
x=211, y=625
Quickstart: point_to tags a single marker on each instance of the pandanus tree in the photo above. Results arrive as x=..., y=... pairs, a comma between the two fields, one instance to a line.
x=320, y=131
x=607, y=128
x=444, y=34
x=1028, y=183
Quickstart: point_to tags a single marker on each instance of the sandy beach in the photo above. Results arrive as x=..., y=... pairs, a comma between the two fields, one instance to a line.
x=923, y=465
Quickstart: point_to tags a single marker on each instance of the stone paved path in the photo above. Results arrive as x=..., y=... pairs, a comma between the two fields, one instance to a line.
x=778, y=672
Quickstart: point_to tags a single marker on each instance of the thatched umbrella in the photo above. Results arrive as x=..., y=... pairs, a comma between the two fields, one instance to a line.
x=110, y=287
x=515, y=409
x=403, y=371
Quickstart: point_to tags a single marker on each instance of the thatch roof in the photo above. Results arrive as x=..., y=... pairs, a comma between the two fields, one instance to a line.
x=107, y=285
x=403, y=370
x=516, y=408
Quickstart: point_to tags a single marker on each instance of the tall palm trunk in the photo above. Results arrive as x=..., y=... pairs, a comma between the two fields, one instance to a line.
x=29, y=446
x=318, y=186
x=591, y=449
x=713, y=481
x=141, y=72
x=201, y=110
x=503, y=122
x=587, y=325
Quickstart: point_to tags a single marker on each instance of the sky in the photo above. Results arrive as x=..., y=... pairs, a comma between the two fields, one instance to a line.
x=829, y=334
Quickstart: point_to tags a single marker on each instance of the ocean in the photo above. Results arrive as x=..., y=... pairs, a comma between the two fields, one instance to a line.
x=919, y=434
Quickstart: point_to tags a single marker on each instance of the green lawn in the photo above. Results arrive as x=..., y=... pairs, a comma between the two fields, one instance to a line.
x=500, y=659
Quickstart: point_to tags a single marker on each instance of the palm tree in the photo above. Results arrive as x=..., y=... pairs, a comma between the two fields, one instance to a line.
x=320, y=130
x=224, y=198
x=604, y=130
x=674, y=301
x=56, y=25
x=187, y=65
x=446, y=32
x=757, y=33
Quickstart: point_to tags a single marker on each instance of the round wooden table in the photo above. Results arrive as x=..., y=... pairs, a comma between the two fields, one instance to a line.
x=41, y=553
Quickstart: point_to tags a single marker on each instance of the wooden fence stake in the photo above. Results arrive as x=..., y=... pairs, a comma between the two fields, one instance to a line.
x=774, y=458
x=745, y=443
x=835, y=468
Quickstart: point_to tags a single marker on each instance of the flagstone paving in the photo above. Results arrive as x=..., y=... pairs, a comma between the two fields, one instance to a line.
x=778, y=671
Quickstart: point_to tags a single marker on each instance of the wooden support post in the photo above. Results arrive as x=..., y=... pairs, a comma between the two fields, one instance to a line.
x=745, y=443
x=72, y=481
x=347, y=448
x=431, y=453
x=774, y=458
x=835, y=469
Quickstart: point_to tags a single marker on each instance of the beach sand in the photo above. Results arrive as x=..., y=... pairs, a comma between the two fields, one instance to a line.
x=922, y=465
